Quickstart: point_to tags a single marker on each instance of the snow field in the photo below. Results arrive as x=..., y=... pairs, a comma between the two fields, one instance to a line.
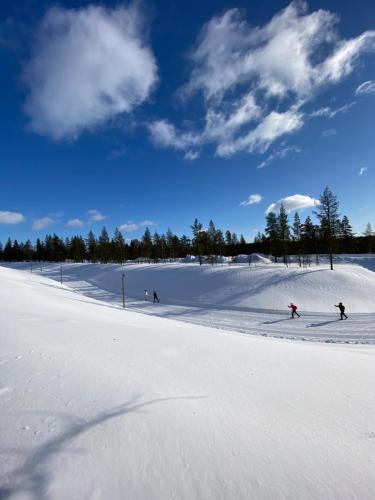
x=103, y=403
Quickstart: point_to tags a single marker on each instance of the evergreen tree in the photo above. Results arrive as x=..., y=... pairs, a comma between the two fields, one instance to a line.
x=297, y=233
x=196, y=228
x=146, y=244
x=228, y=238
x=104, y=247
x=92, y=247
x=119, y=248
x=8, y=250
x=272, y=231
x=284, y=230
x=369, y=234
x=328, y=216
x=39, y=250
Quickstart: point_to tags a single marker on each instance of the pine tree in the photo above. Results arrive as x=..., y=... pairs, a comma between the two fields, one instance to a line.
x=146, y=244
x=104, y=248
x=119, y=248
x=284, y=230
x=369, y=234
x=272, y=232
x=92, y=247
x=297, y=233
x=196, y=228
x=328, y=216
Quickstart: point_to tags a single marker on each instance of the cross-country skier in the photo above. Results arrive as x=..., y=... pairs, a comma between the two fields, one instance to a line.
x=155, y=295
x=342, y=310
x=293, y=307
x=145, y=294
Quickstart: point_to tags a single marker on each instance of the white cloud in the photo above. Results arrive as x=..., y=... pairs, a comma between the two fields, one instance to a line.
x=147, y=222
x=366, y=88
x=95, y=216
x=362, y=170
x=252, y=200
x=331, y=132
x=280, y=153
x=294, y=202
x=75, y=223
x=11, y=217
x=131, y=226
x=256, y=80
x=164, y=134
x=330, y=113
x=88, y=65
x=191, y=155
x=43, y=222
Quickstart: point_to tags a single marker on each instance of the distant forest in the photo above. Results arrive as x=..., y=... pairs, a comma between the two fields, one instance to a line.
x=281, y=238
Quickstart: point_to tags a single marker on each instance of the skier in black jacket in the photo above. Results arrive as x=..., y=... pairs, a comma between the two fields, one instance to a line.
x=342, y=310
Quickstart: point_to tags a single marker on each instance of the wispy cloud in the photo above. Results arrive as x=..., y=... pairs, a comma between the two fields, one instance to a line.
x=331, y=132
x=252, y=200
x=362, y=170
x=330, y=113
x=366, y=88
x=293, y=202
x=255, y=81
x=43, y=222
x=7, y=217
x=191, y=155
x=88, y=65
x=280, y=153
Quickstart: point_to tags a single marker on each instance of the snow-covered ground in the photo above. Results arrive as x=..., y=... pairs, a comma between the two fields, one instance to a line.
x=248, y=299
x=101, y=403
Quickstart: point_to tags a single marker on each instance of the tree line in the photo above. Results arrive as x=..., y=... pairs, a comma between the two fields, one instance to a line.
x=281, y=238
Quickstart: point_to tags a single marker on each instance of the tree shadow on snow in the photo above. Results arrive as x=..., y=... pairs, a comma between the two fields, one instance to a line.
x=32, y=477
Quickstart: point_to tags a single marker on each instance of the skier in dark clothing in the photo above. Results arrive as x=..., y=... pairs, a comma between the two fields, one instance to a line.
x=155, y=295
x=342, y=310
x=293, y=307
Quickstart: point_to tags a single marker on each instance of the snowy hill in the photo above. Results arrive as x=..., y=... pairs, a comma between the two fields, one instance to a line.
x=102, y=403
x=264, y=285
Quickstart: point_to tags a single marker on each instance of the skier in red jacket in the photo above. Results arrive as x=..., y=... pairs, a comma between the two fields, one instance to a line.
x=293, y=307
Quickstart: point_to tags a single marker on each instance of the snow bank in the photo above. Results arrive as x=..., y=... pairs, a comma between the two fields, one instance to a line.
x=103, y=403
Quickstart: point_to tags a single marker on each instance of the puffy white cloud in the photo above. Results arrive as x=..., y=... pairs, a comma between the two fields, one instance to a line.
x=280, y=153
x=75, y=223
x=362, y=170
x=131, y=226
x=366, y=88
x=43, y=222
x=252, y=200
x=88, y=65
x=294, y=202
x=7, y=217
x=255, y=80
x=95, y=216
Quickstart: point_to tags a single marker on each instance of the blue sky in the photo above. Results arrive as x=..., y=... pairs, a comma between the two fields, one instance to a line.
x=157, y=112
